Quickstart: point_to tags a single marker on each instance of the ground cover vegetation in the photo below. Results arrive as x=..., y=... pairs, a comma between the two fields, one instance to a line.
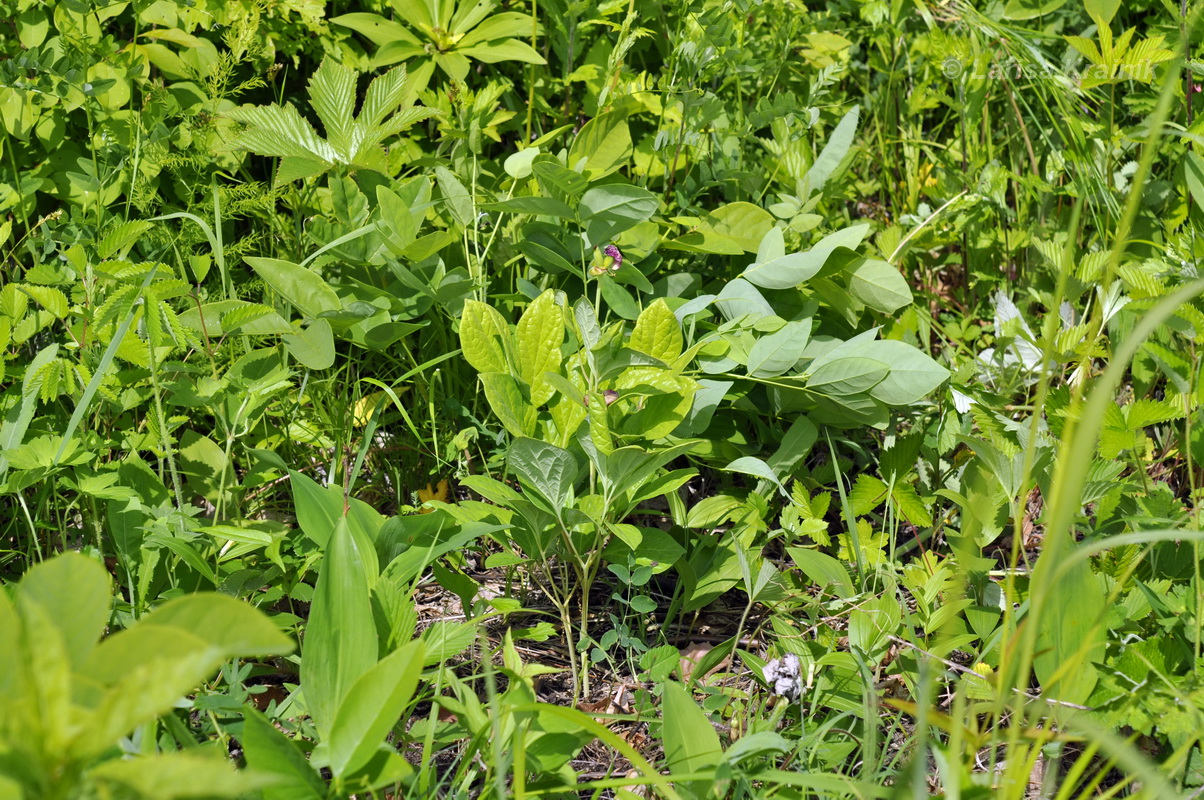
x=588, y=398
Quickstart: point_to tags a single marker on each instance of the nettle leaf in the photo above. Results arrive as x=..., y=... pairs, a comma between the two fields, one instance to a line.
x=657, y=333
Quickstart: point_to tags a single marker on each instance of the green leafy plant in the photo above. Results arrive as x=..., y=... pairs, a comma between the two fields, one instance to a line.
x=353, y=141
x=447, y=35
x=72, y=698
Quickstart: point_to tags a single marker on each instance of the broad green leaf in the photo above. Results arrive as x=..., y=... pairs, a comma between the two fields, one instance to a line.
x=657, y=333
x=795, y=444
x=377, y=29
x=751, y=465
x=732, y=229
x=497, y=26
x=788, y=271
x=847, y=376
x=230, y=626
x=609, y=210
x=834, y=151
x=691, y=742
x=507, y=50
x=549, y=470
x=778, y=352
x=618, y=299
x=506, y=398
x=913, y=374
x=1193, y=167
x=74, y=591
x=1071, y=633
x=871, y=622
x=602, y=146
x=1030, y=9
x=305, y=290
x=268, y=751
x=372, y=707
x=823, y=570
x=535, y=206
x=739, y=298
x=518, y=164
x=562, y=183
x=145, y=671
x=340, y=639
x=879, y=285
x=313, y=347
x=629, y=468
x=183, y=774
x=1102, y=10
x=483, y=334
x=456, y=198
x=203, y=463
x=539, y=336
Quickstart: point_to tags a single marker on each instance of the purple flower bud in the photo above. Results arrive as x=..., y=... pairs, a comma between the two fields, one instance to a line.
x=614, y=253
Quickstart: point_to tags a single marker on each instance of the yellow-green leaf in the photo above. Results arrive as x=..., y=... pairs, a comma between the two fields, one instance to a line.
x=483, y=333
x=506, y=399
x=657, y=333
x=540, y=334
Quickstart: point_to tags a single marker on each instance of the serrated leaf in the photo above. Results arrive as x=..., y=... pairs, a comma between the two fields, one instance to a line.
x=332, y=95
x=48, y=297
x=121, y=237
x=913, y=509
x=280, y=131
x=867, y=494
